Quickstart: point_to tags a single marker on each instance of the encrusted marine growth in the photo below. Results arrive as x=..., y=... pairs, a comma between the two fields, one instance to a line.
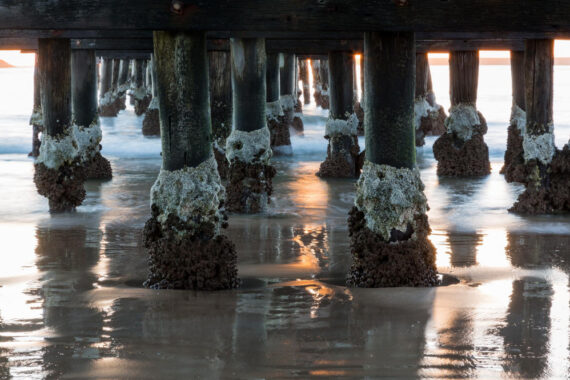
x=514, y=167
x=183, y=236
x=250, y=175
x=342, y=150
x=429, y=119
x=110, y=104
x=60, y=166
x=546, y=174
x=461, y=150
x=151, y=121
x=389, y=230
x=142, y=99
x=279, y=129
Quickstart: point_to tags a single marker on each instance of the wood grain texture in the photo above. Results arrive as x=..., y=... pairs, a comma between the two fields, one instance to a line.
x=84, y=87
x=539, y=90
x=341, y=84
x=517, y=74
x=55, y=81
x=289, y=15
x=249, y=63
x=183, y=97
x=463, y=77
x=389, y=89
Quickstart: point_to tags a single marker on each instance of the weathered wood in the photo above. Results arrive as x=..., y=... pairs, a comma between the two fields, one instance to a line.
x=55, y=80
x=153, y=76
x=124, y=72
x=106, y=76
x=116, y=68
x=123, y=54
x=138, y=72
x=287, y=15
x=248, y=83
x=422, y=74
x=183, y=97
x=272, y=77
x=539, y=66
x=517, y=74
x=463, y=76
x=287, y=75
x=37, y=86
x=389, y=69
x=220, y=94
x=84, y=87
x=341, y=84
x=117, y=46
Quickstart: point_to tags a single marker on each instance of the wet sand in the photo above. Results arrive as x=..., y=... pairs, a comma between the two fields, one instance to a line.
x=72, y=304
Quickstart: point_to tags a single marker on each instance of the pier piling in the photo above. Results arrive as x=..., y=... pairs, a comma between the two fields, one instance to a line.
x=248, y=148
x=388, y=225
x=183, y=237
x=342, y=124
x=461, y=151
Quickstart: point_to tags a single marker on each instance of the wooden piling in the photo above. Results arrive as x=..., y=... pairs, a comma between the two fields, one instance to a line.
x=389, y=113
x=248, y=147
x=461, y=151
x=84, y=87
x=183, y=237
x=183, y=97
x=342, y=125
x=60, y=181
x=386, y=251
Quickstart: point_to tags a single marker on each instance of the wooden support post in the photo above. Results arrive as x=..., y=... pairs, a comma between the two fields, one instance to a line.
x=287, y=87
x=539, y=69
x=389, y=240
x=248, y=146
x=55, y=70
x=429, y=117
x=221, y=104
x=248, y=83
x=36, y=120
x=151, y=121
x=124, y=75
x=58, y=171
x=84, y=105
x=513, y=167
x=186, y=127
x=109, y=106
x=106, y=77
x=547, y=169
x=304, y=68
x=84, y=87
x=186, y=251
x=461, y=151
x=140, y=94
x=342, y=125
x=324, y=67
x=341, y=81
x=388, y=117
x=278, y=126
x=116, y=69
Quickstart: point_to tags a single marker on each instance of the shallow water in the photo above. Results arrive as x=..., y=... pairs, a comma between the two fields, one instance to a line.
x=71, y=304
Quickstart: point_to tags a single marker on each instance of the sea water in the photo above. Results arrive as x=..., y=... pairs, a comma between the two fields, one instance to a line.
x=71, y=301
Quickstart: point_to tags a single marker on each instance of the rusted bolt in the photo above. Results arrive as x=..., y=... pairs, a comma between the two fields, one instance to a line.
x=177, y=6
x=400, y=3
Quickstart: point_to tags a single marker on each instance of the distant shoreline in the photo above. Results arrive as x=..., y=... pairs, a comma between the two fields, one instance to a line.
x=560, y=61
x=5, y=65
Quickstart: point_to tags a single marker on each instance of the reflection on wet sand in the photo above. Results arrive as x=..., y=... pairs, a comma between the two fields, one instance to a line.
x=72, y=305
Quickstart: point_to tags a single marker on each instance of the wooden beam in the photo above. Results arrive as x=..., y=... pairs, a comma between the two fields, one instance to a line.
x=289, y=15
x=292, y=46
